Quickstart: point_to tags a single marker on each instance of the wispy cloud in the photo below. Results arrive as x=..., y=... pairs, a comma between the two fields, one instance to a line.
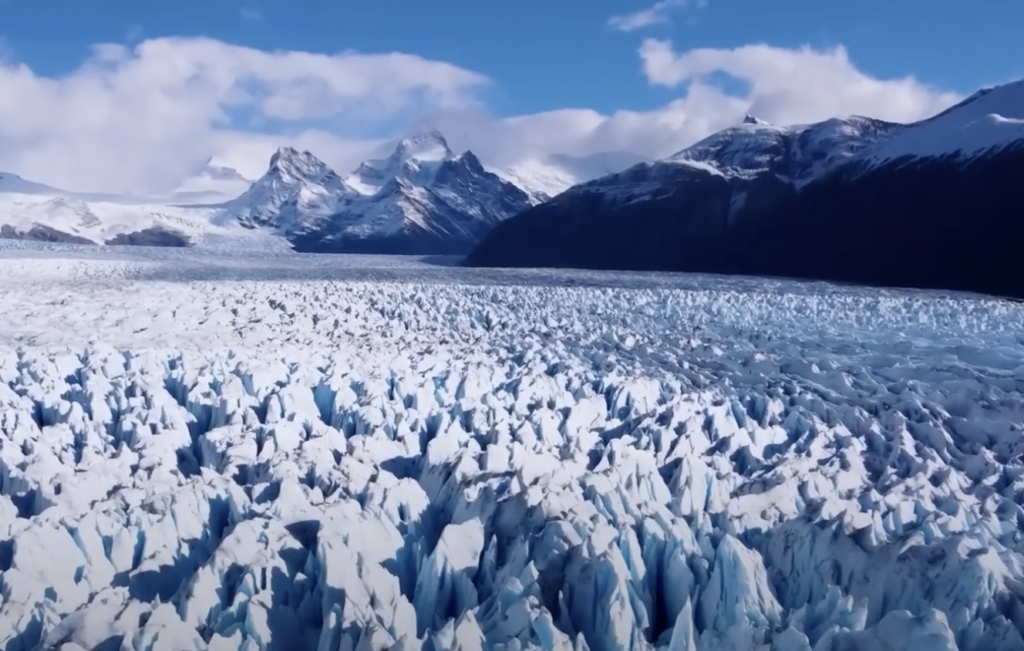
x=653, y=15
x=252, y=13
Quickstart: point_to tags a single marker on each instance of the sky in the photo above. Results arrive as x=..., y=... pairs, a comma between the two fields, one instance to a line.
x=130, y=96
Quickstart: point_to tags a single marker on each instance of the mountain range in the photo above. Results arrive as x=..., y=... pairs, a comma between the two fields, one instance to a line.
x=419, y=198
x=934, y=204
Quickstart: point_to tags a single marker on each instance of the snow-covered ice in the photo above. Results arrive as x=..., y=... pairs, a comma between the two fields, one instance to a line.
x=224, y=452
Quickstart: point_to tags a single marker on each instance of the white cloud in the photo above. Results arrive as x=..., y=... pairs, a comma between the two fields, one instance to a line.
x=143, y=119
x=780, y=85
x=653, y=15
x=798, y=85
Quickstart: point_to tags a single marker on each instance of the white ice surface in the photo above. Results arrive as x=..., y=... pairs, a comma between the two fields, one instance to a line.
x=99, y=221
x=369, y=453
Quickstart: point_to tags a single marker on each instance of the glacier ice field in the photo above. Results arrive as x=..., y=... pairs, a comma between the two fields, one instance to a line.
x=215, y=450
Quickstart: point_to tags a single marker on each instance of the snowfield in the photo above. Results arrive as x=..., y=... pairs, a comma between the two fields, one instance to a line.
x=353, y=453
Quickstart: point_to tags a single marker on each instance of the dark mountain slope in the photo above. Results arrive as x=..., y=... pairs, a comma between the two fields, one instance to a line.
x=934, y=204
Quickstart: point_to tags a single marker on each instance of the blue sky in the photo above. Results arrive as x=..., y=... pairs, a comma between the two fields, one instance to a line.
x=546, y=54
x=74, y=114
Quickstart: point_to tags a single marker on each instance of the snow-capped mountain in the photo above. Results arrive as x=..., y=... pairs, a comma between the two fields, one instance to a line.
x=35, y=211
x=548, y=177
x=422, y=198
x=989, y=121
x=797, y=153
x=219, y=170
x=213, y=183
x=933, y=203
x=298, y=192
x=419, y=196
x=12, y=183
x=415, y=159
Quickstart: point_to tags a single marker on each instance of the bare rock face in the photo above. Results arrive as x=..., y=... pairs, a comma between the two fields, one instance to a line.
x=155, y=236
x=41, y=233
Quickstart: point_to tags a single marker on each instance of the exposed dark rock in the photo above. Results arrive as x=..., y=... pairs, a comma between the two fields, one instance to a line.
x=928, y=222
x=458, y=206
x=41, y=233
x=154, y=236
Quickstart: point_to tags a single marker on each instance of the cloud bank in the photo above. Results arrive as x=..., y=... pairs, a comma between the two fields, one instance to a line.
x=141, y=119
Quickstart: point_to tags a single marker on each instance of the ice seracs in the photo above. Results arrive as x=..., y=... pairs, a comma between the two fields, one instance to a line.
x=475, y=459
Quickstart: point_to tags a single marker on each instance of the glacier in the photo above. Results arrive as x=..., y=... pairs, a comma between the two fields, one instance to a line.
x=369, y=453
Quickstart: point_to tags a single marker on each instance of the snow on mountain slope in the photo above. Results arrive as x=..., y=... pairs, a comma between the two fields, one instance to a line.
x=454, y=184
x=216, y=182
x=792, y=154
x=538, y=178
x=461, y=463
x=14, y=184
x=99, y=221
x=549, y=177
x=799, y=153
x=296, y=194
x=990, y=120
x=422, y=198
x=35, y=211
x=414, y=159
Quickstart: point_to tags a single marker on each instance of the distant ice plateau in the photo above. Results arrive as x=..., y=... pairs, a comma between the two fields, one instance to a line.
x=370, y=453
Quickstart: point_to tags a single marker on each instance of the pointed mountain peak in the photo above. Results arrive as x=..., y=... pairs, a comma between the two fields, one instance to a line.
x=290, y=162
x=425, y=145
x=215, y=168
x=470, y=160
x=750, y=119
x=284, y=155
